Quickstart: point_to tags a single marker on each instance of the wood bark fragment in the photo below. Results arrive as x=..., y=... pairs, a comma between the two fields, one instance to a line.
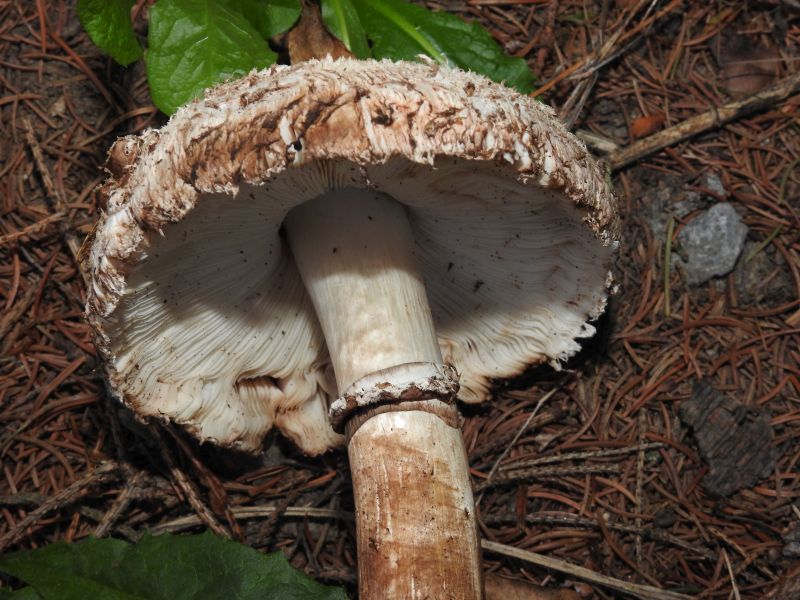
x=733, y=439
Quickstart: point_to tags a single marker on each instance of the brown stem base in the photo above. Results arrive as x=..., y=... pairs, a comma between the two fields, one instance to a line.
x=415, y=521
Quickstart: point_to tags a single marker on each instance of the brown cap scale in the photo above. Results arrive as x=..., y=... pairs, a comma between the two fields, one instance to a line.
x=435, y=220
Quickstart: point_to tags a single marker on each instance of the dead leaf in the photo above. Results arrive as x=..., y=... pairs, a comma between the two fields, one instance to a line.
x=504, y=588
x=310, y=39
x=646, y=125
x=747, y=64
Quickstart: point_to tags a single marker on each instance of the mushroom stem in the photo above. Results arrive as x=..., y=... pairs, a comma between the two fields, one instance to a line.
x=354, y=249
x=415, y=521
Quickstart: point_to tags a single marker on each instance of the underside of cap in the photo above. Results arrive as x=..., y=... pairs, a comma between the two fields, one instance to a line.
x=199, y=311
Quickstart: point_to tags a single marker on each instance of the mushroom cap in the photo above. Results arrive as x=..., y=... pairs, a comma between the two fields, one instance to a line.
x=198, y=308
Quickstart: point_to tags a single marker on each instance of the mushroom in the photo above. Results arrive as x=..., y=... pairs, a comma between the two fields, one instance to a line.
x=360, y=237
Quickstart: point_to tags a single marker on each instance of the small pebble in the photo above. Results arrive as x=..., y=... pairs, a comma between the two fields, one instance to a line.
x=710, y=244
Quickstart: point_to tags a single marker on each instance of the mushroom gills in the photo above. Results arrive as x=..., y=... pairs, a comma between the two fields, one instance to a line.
x=217, y=300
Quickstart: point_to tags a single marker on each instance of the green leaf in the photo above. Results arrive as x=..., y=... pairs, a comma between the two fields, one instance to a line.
x=108, y=23
x=401, y=31
x=194, y=44
x=341, y=19
x=271, y=17
x=166, y=567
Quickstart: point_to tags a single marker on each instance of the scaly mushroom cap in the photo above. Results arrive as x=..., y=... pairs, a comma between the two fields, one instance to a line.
x=198, y=308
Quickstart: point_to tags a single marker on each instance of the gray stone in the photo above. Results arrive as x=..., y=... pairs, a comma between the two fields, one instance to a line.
x=711, y=243
x=274, y=455
x=792, y=539
x=712, y=182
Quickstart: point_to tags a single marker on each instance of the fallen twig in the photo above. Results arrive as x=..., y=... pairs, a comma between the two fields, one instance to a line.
x=187, y=487
x=591, y=455
x=254, y=512
x=121, y=503
x=645, y=592
x=30, y=229
x=70, y=239
x=648, y=533
x=710, y=119
x=101, y=474
x=590, y=63
x=537, y=473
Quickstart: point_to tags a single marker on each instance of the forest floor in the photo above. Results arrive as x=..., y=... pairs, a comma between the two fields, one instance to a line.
x=614, y=470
